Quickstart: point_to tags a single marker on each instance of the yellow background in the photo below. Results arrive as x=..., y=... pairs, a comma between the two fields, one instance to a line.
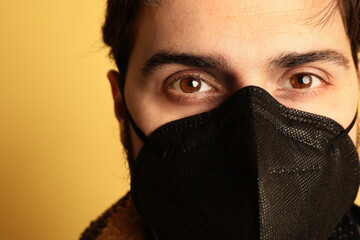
x=61, y=162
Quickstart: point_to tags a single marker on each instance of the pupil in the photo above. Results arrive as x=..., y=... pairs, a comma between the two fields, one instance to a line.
x=192, y=84
x=304, y=80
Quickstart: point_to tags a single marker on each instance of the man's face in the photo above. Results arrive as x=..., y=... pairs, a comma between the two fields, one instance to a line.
x=189, y=56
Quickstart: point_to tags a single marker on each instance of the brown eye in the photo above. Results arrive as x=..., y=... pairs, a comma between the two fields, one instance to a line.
x=190, y=85
x=303, y=81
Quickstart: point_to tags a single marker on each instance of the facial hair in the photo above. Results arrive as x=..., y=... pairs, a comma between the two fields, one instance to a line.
x=127, y=143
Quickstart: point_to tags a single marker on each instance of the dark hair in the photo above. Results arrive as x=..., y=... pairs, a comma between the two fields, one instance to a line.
x=350, y=12
x=120, y=27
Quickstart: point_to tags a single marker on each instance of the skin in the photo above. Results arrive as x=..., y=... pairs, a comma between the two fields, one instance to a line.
x=248, y=34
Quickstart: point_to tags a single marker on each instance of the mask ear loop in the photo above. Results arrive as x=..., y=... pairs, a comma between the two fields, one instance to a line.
x=344, y=133
x=137, y=130
x=347, y=130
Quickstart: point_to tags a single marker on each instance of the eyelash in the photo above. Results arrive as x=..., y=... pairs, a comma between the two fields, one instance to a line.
x=200, y=75
x=303, y=93
x=203, y=76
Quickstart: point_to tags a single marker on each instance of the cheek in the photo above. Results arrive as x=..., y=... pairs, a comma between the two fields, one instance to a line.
x=345, y=107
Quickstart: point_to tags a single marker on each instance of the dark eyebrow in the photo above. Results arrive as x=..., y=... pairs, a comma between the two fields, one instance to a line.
x=163, y=58
x=290, y=60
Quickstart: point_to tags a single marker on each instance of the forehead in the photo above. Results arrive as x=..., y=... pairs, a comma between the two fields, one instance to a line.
x=239, y=27
x=229, y=10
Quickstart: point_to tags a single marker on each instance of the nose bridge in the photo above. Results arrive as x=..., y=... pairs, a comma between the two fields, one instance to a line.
x=250, y=76
x=248, y=64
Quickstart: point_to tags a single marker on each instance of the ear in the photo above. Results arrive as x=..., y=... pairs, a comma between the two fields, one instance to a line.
x=113, y=77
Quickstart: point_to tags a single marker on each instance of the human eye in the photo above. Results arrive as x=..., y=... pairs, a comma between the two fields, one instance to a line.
x=192, y=86
x=189, y=83
x=303, y=82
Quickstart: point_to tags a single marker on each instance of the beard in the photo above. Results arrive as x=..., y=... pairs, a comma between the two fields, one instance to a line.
x=127, y=143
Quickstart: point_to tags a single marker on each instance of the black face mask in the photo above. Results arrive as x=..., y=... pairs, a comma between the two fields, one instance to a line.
x=248, y=169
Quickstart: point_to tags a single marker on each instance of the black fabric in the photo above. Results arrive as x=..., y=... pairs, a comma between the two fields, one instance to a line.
x=249, y=169
x=148, y=233
x=348, y=228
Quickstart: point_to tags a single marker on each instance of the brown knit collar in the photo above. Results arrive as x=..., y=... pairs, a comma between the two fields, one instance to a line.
x=119, y=222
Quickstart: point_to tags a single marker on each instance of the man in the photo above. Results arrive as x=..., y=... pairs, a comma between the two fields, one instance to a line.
x=239, y=119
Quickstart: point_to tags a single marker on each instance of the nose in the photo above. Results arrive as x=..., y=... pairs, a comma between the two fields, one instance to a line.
x=252, y=78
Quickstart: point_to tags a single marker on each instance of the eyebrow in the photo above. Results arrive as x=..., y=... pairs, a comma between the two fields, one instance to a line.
x=219, y=61
x=291, y=60
x=161, y=58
